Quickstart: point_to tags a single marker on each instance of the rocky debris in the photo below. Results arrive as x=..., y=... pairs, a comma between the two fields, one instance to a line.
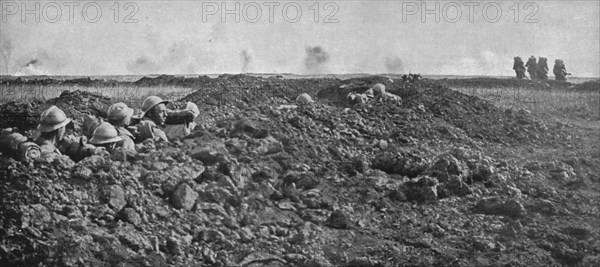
x=422, y=189
x=496, y=206
x=184, y=197
x=131, y=216
x=210, y=153
x=447, y=166
x=338, y=219
x=407, y=164
x=315, y=185
x=115, y=197
x=455, y=186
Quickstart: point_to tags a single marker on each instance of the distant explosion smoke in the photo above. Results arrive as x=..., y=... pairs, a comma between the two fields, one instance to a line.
x=246, y=60
x=31, y=68
x=31, y=63
x=6, y=50
x=315, y=60
x=393, y=64
x=143, y=65
x=178, y=58
x=40, y=63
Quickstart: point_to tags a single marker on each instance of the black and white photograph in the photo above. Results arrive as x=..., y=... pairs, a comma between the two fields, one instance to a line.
x=255, y=133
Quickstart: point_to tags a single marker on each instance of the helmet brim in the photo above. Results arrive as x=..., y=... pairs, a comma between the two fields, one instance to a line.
x=45, y=128
x=95, y=141
x=141, y=115
x=127, y=113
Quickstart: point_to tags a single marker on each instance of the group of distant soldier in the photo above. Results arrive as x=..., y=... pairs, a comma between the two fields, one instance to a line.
x=122, y=129
x=538, y=69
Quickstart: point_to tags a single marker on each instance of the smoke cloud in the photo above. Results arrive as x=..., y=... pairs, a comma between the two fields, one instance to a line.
x=315, y=60
x=393, y=64
x=246, y=60
x=40, y=63
x=143, y=65
x=178, y=58
x=6, y=49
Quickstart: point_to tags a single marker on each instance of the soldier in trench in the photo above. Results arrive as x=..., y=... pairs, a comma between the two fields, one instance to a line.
x=52, y=128
x=161, y=124
x=119, y=115
x=106, y=136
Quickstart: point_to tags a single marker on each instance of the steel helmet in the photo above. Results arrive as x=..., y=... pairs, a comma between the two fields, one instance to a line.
x=52, y=119
x=104, y=134
x=119, y=111
x=304, y=99
x=150, y=102
x=378, y=88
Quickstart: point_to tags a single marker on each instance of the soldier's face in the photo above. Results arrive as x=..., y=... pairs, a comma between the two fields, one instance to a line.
x=159, y=114
x=61, y=133
x=111, y=147
x=127, y=121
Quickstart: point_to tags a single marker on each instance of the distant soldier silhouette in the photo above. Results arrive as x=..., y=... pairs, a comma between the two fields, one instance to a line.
x=532, y=67
x=519, y=68
x=560, y=71
x=542, y=68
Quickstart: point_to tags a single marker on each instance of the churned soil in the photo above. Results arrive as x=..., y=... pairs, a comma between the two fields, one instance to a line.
x=443, y=179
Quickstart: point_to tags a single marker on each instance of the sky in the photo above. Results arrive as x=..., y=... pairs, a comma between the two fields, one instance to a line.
x=302, y=37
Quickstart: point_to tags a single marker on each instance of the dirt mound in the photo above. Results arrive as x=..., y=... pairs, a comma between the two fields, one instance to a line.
x=589, y=86
x=485, y=82
x=25, y=116
x=436, y=108
x=44, y=80
x=316, y=185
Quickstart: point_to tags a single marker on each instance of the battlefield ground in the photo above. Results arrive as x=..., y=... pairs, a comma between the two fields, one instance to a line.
x=464, y=172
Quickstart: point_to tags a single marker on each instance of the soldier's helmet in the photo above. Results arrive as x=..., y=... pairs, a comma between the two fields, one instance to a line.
x=150, y=102
x=119, y=111
x=378, y=89
x=304, y=99
x=105, y=134
x=52, y=119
